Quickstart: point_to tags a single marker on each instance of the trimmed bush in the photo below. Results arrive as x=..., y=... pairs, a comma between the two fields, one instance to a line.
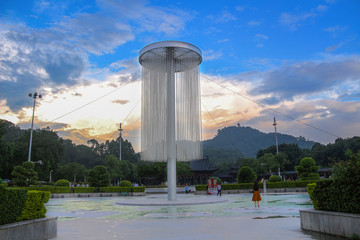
x=341, y=194
x=62, y=183
x=238, y=186
x=310, y=189
x=125, y=183
x=12, y=202
x=34, y=205
x=84, y=189
x=307, y=169
x=139, y=189
x=116, y=189
x=275, y=178
x=246, y=175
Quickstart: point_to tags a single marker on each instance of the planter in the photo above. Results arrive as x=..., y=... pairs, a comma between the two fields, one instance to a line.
x=334, y=223
x=35, y=229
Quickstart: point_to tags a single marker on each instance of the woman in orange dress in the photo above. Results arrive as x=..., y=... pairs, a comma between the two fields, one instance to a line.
x=256, y=195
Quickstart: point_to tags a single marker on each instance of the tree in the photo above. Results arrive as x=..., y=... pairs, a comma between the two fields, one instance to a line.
x=113, y=164
x=307, y=169
x=25, y=175
x=246, y=175
x=72, y=172
x=99, y=177
x=280, y=162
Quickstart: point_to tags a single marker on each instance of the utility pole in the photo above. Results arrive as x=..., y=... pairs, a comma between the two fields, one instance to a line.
x=276, y=139
x=120, y=137
x=34, y=96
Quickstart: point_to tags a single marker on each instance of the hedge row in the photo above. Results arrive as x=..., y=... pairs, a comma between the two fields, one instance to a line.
x=237, y=186
x=19, y=204
x=34, y=205
x=332, y=195
x=12, y=202
x=84, y=189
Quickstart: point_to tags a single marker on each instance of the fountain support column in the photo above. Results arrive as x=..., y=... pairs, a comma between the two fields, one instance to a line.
x=170, y=126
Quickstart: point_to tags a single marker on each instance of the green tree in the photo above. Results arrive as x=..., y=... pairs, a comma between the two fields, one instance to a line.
x=246, y=175
x=73, y=172
x=99, y=177
x=25, y=175
x=307, y=169
x=113, y=165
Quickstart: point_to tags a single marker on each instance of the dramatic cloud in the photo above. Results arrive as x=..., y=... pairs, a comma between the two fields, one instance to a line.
x=288, y=82
x=328, y=119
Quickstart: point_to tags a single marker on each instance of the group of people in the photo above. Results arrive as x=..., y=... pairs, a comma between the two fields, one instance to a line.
x=256, y=198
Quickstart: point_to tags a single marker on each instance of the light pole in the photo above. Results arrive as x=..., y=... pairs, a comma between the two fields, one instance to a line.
x=34, y=96
x=50, y=175
x=276, y=139
x=120, y=137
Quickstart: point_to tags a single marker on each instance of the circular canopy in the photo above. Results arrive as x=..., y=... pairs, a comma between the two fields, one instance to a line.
x=185, y=55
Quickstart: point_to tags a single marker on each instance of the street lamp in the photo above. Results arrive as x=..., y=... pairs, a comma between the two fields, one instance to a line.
x=50, y=175
x=34, y=96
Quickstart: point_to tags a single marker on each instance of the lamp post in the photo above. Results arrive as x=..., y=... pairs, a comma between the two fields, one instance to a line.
x=50, y=175
x=34, y=96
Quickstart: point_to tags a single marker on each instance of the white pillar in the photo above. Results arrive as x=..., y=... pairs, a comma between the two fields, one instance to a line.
x=170, y=126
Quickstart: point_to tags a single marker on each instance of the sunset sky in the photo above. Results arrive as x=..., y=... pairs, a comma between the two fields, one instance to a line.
x=298, y=61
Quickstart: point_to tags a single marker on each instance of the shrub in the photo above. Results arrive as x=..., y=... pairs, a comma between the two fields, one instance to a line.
x=62, y=183
x=25, y=175
x=246, y=175
x=125, y=183
x=310, y=188
x=84, y=189
x=341, y=194
x=307, y=169
x=275, y=178
x=116, y=189
x=139, y=189
x=12, y=202
x=34, y=205
x=99, y=177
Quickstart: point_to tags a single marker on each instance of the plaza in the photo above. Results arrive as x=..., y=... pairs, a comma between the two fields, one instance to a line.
x=232, y=217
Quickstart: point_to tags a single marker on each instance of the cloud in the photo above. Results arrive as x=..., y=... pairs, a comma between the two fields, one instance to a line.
x=149, y=18
x=336, y=30
x=222, y=17
x=259, y=39
x=211, y=55
x=334, y=47
x=329, y=118
x=121, y=102
x=294, y=20
x=253, y=23
x=239, y=8
x=286, y=82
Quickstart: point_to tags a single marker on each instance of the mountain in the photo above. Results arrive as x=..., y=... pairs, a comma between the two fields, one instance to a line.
x=246, y=141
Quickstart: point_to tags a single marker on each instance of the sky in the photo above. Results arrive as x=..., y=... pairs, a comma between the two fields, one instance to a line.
x=298, y=61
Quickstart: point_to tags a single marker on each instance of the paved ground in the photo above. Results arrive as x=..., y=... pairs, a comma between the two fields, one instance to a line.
x=101, y=218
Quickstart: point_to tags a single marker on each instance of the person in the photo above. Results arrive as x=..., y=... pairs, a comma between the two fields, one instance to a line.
x=256, y=195
x=187, y=190
x=219, y=189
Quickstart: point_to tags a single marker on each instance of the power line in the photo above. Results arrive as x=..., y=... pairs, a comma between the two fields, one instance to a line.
x=223, y=132
x=271, y=109
x=86, y=104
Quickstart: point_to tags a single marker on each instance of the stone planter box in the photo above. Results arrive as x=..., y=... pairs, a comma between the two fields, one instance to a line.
x=334, y=223
x=35, y=229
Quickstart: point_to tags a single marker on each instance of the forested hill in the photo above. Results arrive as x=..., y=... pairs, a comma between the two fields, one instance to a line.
x=248, y=140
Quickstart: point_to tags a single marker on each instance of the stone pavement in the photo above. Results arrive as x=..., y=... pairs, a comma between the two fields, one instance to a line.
x=101, y=218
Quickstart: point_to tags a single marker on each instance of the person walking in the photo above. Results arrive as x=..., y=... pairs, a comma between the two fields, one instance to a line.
x=219, y=189
x=256, y=195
